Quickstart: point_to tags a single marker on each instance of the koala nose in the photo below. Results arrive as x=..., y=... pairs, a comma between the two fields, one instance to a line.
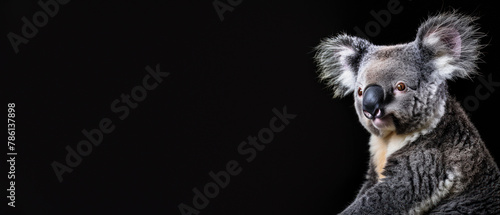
x=372, y=101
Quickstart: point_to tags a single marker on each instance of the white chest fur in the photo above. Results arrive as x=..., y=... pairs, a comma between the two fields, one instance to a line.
x=382, y=147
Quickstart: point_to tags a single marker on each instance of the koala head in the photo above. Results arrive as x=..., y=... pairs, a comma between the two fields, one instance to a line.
x=401, y=88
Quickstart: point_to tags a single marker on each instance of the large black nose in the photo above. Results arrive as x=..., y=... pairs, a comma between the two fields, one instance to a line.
x=373, y=98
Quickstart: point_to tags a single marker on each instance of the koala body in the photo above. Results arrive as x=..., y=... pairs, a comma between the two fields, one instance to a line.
x=426, y=155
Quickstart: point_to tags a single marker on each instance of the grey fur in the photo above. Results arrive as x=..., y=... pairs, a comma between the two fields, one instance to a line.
x=434, y=159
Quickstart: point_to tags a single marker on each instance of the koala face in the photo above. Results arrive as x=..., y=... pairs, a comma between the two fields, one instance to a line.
x=393, y=93
x=401, y=88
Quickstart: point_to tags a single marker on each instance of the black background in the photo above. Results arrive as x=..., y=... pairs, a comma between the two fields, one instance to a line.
x=225, y=79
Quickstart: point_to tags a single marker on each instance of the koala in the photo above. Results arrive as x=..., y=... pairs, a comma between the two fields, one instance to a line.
x=426, y=157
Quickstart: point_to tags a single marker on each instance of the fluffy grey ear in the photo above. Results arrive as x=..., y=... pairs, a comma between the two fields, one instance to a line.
x=338, y=59
x=450, y=41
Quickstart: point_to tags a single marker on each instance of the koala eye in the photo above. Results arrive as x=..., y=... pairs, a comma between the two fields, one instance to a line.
x=401, y=86
x=360, y=92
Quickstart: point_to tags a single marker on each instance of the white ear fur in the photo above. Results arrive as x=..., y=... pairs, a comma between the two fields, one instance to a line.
x=451, y=43
x=338, y=60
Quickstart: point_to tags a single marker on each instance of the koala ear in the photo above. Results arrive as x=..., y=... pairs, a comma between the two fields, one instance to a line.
x=451, y=43
x=338, y=59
